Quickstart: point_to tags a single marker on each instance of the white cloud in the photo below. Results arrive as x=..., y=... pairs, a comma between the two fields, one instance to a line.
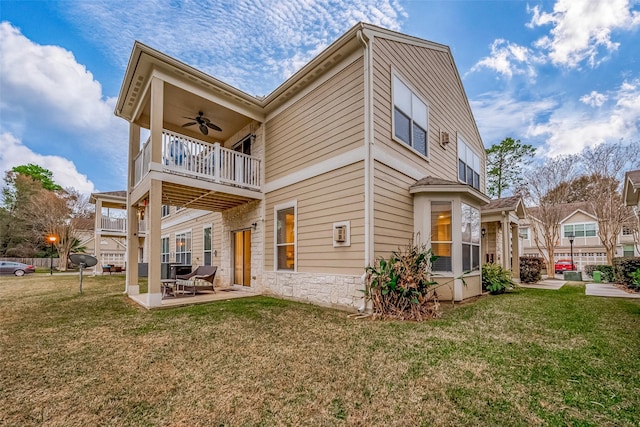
x=594, y=99
x=508, y=59
x=51, y=101
x=253, y=45
x=582, y=29
x=45, y=83
x=500, y=115
x=570, y=129
x=65, y=174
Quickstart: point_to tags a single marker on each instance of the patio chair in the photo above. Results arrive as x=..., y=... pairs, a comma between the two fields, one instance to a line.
x=193, y=281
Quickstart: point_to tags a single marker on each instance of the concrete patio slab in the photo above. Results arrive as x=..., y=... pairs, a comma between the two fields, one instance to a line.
x=552, y=285
x=607, y=290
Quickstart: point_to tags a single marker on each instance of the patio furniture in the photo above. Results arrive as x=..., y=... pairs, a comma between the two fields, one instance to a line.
x=193, y=282
x=168, y=287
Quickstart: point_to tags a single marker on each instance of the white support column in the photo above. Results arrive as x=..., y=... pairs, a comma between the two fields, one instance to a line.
x=515, y=252
x=153, y=218
x=131, y=281
x=97, y=237
x=506, y=250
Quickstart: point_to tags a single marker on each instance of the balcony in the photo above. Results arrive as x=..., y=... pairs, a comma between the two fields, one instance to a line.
x=189, y=157
x=113, y=225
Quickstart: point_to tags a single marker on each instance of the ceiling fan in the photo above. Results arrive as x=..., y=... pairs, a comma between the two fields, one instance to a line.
x=202, y=122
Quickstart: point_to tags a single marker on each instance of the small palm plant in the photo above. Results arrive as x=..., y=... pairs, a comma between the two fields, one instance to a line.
x=496, y=279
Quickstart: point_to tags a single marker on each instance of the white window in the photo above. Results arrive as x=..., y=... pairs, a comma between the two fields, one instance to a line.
x=164, y=249
x=410, y=117
x=183, y=248
x=588, y=229
x=523, y=233
x=627, y=230
x=441, y=239
x=207, y=244
x=285, y=231
x=468, y=165
x=165, y=210
x=470, y=238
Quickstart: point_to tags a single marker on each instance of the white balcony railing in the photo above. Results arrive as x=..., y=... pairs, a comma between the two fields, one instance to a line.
x=192, y=157
x=114, y=224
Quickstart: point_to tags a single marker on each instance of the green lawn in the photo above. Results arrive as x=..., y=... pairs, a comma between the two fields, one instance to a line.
x=533, y=357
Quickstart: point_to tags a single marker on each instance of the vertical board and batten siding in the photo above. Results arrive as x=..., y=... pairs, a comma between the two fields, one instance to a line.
x=392, y=210
x=325, y=123
x=332, y=197
x=430, y=72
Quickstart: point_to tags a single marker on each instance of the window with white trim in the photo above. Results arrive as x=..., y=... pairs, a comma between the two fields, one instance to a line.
x=207, y=236
x=286, y=237
x=165, y=211
x=441, y=238
x=627, y=230
x=410, y=117
x=588, y=229
x=523, y=233
x=470, y=238
x=468, y=165
x=164, y=249
x=627, y=251
x=183, y=248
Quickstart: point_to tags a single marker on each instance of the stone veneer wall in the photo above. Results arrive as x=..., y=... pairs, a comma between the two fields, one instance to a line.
x=331, y=290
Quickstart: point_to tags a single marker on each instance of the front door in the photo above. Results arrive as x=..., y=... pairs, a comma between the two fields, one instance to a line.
x=242, y=257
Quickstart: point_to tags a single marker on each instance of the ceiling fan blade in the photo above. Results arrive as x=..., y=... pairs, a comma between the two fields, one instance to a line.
x=188, y=124
x=214, y=127
x=190, y=118
x=204, y=129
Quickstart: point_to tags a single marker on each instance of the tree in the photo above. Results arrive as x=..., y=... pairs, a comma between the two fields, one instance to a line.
x=546, y=189
x=38, y=173
x=606, y=165
x=62, y=214
x=505, y=162
x=583, y=188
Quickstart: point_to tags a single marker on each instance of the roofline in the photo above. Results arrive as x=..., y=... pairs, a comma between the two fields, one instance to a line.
x=574, y=212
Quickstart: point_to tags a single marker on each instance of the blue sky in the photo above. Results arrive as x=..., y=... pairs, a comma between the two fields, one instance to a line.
x=560, y=75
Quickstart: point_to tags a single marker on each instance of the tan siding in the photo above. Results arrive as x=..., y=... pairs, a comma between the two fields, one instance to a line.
x=323, y=200
x=432, y=74
x=393, y=210
x=197, y=234
x=326, y=122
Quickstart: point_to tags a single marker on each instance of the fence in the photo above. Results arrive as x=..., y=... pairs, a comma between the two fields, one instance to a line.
x=36, y=262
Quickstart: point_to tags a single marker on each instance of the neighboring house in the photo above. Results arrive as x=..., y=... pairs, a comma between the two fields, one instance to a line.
x=631, y=189
x=109, y=245
x=580, y=221
x=371, y=143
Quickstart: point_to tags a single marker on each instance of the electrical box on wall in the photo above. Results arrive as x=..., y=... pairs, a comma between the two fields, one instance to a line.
x=341, y=234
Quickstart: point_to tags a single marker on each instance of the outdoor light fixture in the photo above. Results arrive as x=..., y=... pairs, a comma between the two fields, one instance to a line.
x=571, y=237
x=52, y=240
x=483, y=232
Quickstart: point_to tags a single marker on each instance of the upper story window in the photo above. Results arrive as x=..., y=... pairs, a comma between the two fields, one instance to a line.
x=410, y=117
x=468, y=165
x=165, y=210
x=523, y=233
x=588, y=229
x=627, y=230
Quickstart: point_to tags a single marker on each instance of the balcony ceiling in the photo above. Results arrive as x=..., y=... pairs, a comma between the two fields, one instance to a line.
x=179, y=104
x=200, y=198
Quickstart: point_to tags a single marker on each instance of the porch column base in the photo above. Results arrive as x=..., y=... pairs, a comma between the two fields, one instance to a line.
x=154, y=300
x=133, y=290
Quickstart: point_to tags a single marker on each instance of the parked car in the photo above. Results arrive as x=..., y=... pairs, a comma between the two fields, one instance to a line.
x=17, y=268
x=564, y=265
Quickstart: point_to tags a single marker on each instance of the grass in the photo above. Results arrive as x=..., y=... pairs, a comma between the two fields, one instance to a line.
x=533, y=357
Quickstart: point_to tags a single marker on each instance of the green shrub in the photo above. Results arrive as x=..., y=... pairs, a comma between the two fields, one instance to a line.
x=401, y=288
x=496, y=279
x=531, y=269
x=624, y=269
x=606, y=270
x=635, y=279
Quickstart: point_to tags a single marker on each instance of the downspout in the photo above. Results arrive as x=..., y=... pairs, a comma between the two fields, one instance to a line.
x=368, y=160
